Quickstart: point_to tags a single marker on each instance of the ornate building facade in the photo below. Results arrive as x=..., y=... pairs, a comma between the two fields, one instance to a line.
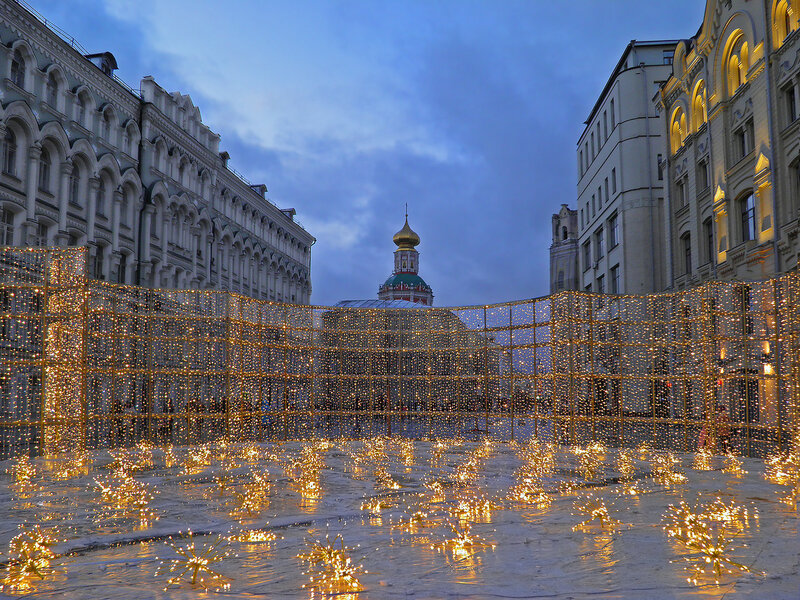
x=133, y=175
x=405, y=282
x=730, y=113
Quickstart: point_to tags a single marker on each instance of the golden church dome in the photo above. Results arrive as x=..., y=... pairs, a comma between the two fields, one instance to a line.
x=406, y=238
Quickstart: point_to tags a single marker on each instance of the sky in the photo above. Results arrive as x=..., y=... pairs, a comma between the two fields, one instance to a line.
x=467, y=110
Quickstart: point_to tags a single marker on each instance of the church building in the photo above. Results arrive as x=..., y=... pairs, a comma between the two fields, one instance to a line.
x=405, y=282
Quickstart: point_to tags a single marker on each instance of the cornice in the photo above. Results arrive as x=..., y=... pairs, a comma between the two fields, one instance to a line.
x=71, y=61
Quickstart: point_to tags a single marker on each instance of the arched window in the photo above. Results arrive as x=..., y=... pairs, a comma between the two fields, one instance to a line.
x=80, y=109
x=18, y=69
x=563, y=233
x=51, y=90
x=102, y=191
x=699, y=114
x=75, y=186
x=738, y=63
x=782, y=23
x=105, y=131
x=678, y=130
x=124, y=207
x=748, y=212
x=10, y=153
x=44, y=170
x=686, y=246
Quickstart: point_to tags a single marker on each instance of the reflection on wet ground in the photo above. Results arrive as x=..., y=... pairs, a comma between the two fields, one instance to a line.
x=382, y=518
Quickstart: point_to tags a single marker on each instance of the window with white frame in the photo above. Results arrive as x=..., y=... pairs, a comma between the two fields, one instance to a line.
x=748, y=214
x=6, y=227
x=613, y=231
x=10, y=153
x=44, y=170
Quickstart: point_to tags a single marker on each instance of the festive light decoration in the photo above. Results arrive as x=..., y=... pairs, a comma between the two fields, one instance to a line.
x=125, y=496
x=463, y=543
x=29, y=557
x=23, y=471
x=704, y=534
x=195, y=565
x=733, y=466
x=663, y=465
x=591, y=459
x=702, y=460
x=596, y=515
x=254, y=495
x=331, y=569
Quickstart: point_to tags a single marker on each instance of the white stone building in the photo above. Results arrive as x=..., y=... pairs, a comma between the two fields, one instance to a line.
x=134, y=175
x=620, y=186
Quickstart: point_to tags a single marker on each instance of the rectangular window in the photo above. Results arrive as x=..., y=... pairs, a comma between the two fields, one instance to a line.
x=601, y=284
x=593, y=151
x=659, y=160
x=587, y=255
x=588, y=288
x=599, y=246
x=613, y=116
x=586, y=149
x=600, y=197
x=605, y=125
x=702, y=175
x=614, y=276
x=680, y=195
x=686, y=240
x=594, y=204
x=614, y=180
x=581, y=217
x=708, y=234
x=580, y=163
x=743, y=140
x=791, y=104
x=599, y=139
x=748, y=207
x=667, y=56
x=605, y=185
x=613, y=231
x=6, y=227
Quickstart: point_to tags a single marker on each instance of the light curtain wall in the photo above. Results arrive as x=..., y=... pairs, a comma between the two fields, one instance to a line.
x=88, y=364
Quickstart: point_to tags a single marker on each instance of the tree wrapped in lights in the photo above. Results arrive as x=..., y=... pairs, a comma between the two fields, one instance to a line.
x=704, y=534
x=29, y=556
x=331, y=569
x=596, y=513
x=197, y=565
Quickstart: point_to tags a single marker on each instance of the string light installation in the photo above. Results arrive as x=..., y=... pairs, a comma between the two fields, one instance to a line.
x=463, y=543
x=331, y=569
x=29, y=556
x=197, y=566
x=704, y=533
x=478, y=416
x=596, y=514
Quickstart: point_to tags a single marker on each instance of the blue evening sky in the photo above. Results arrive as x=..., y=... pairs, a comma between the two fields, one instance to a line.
x=467, y=110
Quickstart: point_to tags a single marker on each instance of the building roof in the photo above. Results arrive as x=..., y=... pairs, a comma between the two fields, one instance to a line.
x=378, y=304
x=617, y=69
x=410, y=280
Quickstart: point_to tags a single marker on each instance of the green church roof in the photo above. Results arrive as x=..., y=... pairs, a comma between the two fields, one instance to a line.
x=407, y=279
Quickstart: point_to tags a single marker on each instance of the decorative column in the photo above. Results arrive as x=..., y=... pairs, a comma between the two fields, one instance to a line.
x=195, y=233
x=32, y=177
x=93, y=185
x=63, y=199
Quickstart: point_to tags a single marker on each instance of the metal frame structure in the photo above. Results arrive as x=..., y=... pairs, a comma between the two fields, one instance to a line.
x=88, y=364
